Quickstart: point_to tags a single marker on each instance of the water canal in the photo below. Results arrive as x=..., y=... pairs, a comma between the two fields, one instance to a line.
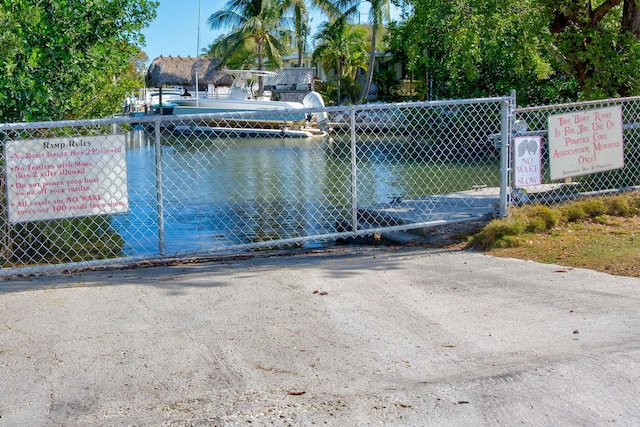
x=220, y=193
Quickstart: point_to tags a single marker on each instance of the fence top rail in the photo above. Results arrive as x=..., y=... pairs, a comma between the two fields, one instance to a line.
x=575, y=104
x=8, y=127
x=438, y=103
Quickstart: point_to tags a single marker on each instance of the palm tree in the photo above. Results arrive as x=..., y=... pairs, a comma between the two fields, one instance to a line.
x=300, y=17
x=379, y=14
x=233, y=57
x=341, y=46
x=298, y=10
x=258, y=20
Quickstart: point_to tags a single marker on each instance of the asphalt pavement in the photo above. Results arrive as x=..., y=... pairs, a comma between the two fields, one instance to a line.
x=372, y=337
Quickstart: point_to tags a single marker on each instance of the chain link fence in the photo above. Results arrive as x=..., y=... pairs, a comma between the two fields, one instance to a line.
x=124, y=189
x=573, y=150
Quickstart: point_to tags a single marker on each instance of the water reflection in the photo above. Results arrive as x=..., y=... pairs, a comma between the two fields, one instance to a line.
x=139, y=226
x=224, y=192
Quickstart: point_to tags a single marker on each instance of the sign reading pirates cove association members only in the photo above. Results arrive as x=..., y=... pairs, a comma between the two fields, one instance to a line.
x=66, y=177
x=585, y=142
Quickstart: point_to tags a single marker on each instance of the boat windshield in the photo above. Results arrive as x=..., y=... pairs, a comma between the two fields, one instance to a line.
x=247, y=79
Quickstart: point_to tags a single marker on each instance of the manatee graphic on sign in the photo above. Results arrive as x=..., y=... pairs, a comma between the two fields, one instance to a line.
x=528, y=164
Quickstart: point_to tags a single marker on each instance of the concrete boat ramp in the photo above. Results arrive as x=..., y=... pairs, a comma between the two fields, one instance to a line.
x=341, y=337
x=420, y=216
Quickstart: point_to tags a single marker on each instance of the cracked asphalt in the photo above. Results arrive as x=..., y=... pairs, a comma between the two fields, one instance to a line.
x=393, y=337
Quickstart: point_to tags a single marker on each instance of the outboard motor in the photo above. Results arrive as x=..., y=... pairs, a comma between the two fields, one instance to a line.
x=314, y=100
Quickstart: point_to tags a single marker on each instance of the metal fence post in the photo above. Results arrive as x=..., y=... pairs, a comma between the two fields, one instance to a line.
x=354, y=180
x=505, y=138
x=218, y=188
x=159, y=194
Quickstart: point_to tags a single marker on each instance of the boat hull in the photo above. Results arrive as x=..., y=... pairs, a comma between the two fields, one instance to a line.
x=250, y=109
x=247, y=132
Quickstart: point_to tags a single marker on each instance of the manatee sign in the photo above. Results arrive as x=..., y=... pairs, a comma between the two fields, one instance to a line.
x=528, y=165
x=585, y=142
x=66, y=177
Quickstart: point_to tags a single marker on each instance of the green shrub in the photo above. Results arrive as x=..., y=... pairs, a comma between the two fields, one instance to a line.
x=593, y=207
x=536, y=225
x=506, y=232
x=601, y=219
x=619, y=206
x=634, y=201
x=508, y=242
x=573, y=212
x=500, y=229
x=541, y=218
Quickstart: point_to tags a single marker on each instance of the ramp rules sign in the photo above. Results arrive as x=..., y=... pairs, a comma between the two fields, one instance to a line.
x=66, y=177
x=585, y=142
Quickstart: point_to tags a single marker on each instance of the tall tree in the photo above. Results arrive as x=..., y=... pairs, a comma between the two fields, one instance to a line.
x=300, y=17
x=234, y=57
x=379, y=15
x=548, y=50
x=597, y=44
x=631, y=18
x=411, y=52
x=61, y=60
x=472, y=48
x=257, y=20
x=341, y=46
x=298, y=13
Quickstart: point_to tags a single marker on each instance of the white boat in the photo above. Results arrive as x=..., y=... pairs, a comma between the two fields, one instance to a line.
x=245, y=132
x=241, y=97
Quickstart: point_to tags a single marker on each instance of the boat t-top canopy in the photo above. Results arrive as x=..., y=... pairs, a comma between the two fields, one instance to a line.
x=243, y=81
x=242, y=78
x=251, y=73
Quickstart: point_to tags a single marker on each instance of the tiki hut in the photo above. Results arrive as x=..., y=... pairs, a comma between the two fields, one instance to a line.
x=170, y=71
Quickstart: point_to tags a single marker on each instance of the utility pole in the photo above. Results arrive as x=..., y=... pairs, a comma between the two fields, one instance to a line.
x=198, y=54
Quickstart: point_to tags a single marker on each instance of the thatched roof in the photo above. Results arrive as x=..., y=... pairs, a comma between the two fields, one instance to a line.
x=170, y=71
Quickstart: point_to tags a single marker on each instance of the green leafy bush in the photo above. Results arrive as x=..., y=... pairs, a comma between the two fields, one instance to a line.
x=507, y=232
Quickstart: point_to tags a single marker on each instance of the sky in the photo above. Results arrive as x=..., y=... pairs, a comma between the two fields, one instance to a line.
x=175, y=29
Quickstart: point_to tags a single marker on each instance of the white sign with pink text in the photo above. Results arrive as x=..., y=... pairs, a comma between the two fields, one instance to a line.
x=53, y=178
x=585, y=142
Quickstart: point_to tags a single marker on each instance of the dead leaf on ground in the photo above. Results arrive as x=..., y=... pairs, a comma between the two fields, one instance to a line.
x=402, y=405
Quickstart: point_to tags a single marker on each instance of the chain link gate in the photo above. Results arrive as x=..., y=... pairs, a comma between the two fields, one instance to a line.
x=580, y=130
x=133, y=188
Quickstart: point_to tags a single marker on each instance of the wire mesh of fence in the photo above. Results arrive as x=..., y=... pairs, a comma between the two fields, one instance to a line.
x=580, y=149
x=154, y=186
x=150, y=186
